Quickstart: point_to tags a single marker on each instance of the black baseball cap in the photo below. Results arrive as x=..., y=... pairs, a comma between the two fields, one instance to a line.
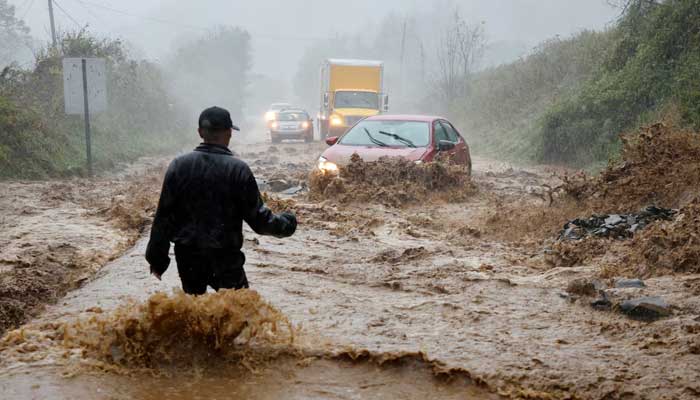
x=216, y=118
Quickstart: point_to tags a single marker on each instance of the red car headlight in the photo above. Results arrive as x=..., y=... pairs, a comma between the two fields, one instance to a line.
x=327, y=166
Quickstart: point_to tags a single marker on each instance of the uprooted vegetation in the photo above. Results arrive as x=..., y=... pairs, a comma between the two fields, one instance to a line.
x=659, y=166
x=394, y=182
x=665, y=247
x=672, y=246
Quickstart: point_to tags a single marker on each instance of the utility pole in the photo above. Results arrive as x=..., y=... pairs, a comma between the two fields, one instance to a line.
x=53, y=24
x=403, y=51
x=422, y=61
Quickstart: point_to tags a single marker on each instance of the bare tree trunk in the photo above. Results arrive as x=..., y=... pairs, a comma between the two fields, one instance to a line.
x=458, y=55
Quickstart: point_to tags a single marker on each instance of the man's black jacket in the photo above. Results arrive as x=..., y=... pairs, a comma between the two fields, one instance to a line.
x=206, y=196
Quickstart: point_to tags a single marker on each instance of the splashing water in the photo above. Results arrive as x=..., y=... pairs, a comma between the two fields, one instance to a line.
x=169, y=330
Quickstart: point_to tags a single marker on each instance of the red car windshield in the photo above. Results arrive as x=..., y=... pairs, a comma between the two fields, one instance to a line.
x=388, y=133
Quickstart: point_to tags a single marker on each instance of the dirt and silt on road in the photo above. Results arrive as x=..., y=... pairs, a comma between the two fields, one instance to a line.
x=462, y=291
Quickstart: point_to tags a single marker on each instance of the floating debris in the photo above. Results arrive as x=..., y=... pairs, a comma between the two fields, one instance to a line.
x=623, y=283
x=646, y=308
x=616, y=226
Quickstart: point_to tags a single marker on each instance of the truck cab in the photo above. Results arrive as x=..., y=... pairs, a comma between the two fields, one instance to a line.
x=351, y=90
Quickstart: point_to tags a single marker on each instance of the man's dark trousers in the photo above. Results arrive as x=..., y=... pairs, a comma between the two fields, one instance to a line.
x=218, y=268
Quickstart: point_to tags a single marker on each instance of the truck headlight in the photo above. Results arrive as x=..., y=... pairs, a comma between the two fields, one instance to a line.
x=326, y=166
x=269, y=116
x=336, y=120
x=274, y=125
x=305, y=125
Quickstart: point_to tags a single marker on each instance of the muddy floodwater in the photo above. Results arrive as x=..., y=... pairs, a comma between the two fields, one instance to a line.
x=320, y=379
x=386, y=303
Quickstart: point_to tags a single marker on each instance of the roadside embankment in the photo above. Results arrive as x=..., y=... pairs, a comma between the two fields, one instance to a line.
x=660, y=166
x=55, y=234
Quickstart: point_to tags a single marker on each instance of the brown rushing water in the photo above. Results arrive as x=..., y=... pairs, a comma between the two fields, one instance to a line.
x=424, y=311
x=321, y=379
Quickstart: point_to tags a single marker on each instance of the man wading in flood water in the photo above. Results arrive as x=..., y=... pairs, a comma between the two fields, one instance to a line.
x=206, y=196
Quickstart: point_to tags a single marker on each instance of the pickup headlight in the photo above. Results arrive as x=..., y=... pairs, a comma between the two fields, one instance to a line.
x=269, y=116
x=305, y=125
x=336, y=120
x=327, y=166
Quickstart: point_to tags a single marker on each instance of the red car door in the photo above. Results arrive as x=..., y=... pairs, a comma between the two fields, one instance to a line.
x=440, y=133
x=461, y=150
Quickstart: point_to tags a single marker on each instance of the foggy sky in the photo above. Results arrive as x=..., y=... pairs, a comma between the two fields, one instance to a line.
x=282, y=28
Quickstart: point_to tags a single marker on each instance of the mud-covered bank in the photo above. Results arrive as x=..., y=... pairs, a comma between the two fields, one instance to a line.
x=54, y=235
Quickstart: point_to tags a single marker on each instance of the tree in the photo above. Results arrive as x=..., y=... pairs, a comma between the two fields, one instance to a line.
x=13, y=34
x=37, y=138
x=214, y=69
x=627, y=5
x=458, y=55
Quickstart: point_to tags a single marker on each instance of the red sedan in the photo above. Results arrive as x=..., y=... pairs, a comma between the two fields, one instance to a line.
x=414, y=137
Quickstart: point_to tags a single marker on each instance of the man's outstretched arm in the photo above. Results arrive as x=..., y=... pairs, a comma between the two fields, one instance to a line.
x=260, y=218
x=163, y=223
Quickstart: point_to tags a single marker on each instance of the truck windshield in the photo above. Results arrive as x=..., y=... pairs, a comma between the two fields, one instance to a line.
x=390, y=133
x=352, y=99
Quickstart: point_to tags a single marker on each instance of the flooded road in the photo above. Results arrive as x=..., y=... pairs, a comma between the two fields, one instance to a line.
x=320, y=379
x=386, y=302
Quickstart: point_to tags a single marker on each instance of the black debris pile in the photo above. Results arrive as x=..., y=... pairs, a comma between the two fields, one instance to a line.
x=615, y=226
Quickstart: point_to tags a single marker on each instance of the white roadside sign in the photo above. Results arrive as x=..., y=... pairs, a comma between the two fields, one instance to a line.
x=95, y=69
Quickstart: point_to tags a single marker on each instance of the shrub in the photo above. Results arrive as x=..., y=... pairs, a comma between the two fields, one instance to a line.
x=38, y=140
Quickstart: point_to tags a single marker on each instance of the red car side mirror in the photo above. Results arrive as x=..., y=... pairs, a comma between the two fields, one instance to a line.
x=332, y=140
x=446, y=145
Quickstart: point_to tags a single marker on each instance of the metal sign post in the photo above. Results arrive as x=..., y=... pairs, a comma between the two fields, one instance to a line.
x=84, y=91
x=86, y=108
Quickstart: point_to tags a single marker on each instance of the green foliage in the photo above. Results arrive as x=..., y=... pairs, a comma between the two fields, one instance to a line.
x=501, y=117
x=38, y=140
x=569, y=100
x=653, y=63
x=21, y=132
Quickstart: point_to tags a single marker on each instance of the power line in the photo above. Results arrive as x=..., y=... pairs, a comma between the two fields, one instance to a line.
x=89, y=11
x=194, y=27
x=128, y=14
x=67, y=14
x=31, y=3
